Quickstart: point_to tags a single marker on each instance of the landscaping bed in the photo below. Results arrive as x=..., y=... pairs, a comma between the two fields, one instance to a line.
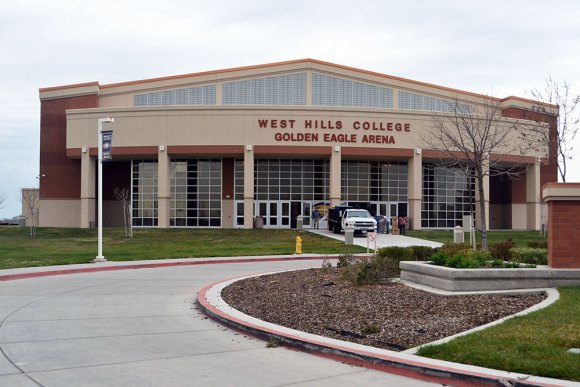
x=389, y=315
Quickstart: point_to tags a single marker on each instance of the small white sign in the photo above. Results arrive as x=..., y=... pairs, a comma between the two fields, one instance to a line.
x=371, y=236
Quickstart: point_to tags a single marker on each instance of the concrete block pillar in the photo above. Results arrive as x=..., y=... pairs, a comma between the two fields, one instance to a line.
x=415, y=194
x=563, y=224
x=249, y=187
x=163, y=187
x=88, y=188
x=533, y=197
x=335, y=175
x=486, y=199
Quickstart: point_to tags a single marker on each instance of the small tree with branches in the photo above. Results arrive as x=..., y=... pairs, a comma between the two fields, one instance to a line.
x=475, y=139
x=2, y=200
x=30, y=200
x=560, y=102
x=124, y=196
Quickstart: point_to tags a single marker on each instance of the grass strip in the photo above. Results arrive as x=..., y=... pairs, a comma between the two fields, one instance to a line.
x=535, y=344
x=446, y=236
x=61, y=246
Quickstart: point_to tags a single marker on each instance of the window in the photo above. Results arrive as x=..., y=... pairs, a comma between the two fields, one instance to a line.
x=201, y=95
x=196, y=193
x=144, y=192
x=281, y=90
x=448, y=194
x=333, y=91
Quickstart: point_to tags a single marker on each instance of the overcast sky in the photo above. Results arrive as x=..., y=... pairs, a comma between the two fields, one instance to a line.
x=503, y=47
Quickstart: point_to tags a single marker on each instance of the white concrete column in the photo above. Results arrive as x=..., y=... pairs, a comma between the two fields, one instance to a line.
x=163, y=187
x=88, y=174
x=533, y=201
x=477, y=198
x=249, y=187
x=414, y=188
x=335, y=175
x=218, y=93
x=309, y=88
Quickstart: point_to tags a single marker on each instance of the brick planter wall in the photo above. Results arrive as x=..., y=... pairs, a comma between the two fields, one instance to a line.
x=563, y=224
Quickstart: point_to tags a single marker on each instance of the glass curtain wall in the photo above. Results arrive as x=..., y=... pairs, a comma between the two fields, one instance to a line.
x=374, y=181
x=144, y=192
x=196, y=191
x=291, y=179
x=448, y=194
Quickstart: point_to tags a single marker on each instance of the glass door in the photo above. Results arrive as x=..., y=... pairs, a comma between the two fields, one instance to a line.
x=276, y=214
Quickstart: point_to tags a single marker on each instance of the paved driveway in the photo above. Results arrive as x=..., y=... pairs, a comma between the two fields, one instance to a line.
x=140, y=328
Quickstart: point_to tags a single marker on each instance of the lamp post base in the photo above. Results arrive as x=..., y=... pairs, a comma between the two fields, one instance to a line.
x=100, y=259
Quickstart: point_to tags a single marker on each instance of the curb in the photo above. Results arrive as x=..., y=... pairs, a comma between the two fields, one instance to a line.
x=116, y=266
x=210, y=303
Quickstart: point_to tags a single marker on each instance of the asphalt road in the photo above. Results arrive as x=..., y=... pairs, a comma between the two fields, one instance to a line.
x=141, y=328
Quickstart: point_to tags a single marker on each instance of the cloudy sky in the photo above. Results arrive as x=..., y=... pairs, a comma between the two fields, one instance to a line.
x=504, y=47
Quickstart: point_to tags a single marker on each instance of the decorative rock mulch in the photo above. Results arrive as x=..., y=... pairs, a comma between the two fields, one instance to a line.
x=390, y=316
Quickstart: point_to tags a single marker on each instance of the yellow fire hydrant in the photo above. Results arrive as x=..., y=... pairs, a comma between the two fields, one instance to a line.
x=298, y=245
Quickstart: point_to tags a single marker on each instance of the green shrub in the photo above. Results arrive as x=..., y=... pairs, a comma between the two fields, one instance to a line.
x=451, y=248
x=370, y=329
x=541, y=244
x=529, y=255
x=396, y=252
x=501, y=250
x=439, y=258
x=464, y=259
x=422, y=253
x=481, y=257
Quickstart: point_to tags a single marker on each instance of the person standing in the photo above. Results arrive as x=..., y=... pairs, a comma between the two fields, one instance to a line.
x=403, y=220
x=316, y=218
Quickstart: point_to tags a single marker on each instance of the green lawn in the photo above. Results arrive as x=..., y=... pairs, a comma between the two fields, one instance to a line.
x=57, y=246
x=446, y=236
x=534, y=344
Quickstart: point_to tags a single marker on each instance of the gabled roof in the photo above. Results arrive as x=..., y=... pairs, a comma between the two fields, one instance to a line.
x=308, y=63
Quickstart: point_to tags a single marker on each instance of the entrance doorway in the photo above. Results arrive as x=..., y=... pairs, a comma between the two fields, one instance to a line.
x=276, y=214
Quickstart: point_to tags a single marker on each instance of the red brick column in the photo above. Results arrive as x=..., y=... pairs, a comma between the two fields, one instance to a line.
x=563, y=224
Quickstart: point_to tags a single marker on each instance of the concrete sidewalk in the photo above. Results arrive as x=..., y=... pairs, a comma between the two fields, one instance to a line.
x=383, y=240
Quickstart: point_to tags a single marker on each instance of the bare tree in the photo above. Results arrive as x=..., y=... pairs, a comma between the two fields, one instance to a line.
x=2, y=200
x=30, y=200
x=475, y=139
x=124, y=196
x=559, y=101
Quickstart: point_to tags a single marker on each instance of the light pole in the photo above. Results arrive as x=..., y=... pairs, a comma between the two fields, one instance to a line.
x=101, y=121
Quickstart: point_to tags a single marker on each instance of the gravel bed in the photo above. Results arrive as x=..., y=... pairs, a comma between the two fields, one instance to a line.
x=390, y=315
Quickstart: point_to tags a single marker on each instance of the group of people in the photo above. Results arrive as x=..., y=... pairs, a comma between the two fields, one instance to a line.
x=383, y=224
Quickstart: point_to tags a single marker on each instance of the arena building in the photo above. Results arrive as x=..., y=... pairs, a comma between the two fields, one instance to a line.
x=218, y=148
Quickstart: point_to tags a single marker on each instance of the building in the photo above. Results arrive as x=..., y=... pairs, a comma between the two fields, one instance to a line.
x=217, y=148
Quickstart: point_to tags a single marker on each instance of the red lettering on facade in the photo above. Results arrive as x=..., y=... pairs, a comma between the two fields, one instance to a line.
x=296, y=137
x=377, y=139
x=263, y=123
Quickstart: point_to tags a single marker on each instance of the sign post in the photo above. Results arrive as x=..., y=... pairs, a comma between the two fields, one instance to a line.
x=371, y=237
x=102, y=154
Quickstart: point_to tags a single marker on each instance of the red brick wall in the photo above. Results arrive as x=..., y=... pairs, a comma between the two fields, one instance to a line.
x=60, y=177
x=564, y=234
x=548, y=171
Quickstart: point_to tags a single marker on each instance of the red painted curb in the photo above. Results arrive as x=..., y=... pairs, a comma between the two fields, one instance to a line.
x=404, y=367
x=12, y=277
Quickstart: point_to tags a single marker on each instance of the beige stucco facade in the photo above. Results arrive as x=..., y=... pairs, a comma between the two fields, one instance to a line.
x=253, y=131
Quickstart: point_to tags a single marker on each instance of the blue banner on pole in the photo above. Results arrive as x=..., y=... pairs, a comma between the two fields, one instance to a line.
x=107, y=145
